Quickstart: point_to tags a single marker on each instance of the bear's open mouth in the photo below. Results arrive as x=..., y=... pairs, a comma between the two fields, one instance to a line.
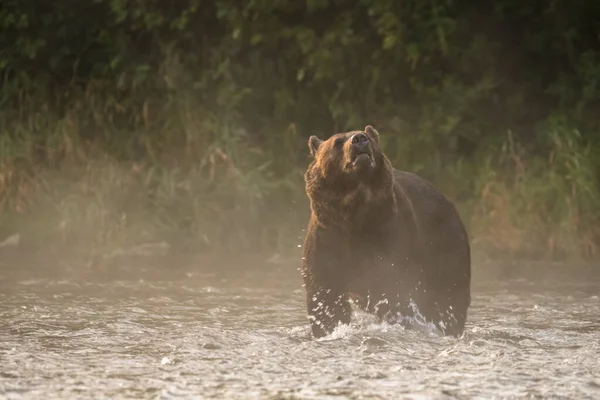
x=362, y=159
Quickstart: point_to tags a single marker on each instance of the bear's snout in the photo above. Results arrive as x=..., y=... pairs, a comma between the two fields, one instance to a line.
x=360, y=142
x=360, y=154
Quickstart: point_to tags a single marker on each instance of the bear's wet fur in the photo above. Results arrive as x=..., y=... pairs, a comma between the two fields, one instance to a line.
x=386, y=240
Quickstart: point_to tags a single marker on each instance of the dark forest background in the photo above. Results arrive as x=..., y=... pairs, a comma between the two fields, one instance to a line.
x=127, y=122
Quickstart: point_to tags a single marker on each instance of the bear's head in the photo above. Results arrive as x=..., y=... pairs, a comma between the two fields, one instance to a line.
x=348, y=172
x=349, y=156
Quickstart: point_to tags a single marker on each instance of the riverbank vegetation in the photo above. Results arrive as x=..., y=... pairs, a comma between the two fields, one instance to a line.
x=132, y=122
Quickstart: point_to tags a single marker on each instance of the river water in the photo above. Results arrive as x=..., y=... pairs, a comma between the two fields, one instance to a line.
x=240, y=332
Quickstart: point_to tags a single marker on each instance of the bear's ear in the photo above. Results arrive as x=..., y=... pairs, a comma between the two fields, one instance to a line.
x=372, y=133
x=313, y=144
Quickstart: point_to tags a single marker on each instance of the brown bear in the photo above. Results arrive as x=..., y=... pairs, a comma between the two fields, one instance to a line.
x=386, y=240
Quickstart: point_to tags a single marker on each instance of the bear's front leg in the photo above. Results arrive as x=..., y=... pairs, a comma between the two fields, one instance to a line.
x=327, y=307
x=324, y=270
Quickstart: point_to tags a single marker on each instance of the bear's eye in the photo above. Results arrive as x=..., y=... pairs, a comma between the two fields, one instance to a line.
x=339, y=141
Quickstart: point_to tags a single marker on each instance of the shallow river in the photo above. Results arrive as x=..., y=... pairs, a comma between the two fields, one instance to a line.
x=242, y=333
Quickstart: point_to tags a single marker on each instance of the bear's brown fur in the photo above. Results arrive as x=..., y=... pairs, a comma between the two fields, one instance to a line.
x=386, y=239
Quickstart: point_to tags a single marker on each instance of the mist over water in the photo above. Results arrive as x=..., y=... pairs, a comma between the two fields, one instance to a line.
x=240, y=331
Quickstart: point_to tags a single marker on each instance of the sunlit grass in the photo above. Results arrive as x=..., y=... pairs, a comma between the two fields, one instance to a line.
x=544, y=206
x=196, y=181
x=198, y=184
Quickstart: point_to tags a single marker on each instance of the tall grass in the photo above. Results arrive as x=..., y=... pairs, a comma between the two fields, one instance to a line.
x=543, y=206
x=195, y=179
x=197, y=183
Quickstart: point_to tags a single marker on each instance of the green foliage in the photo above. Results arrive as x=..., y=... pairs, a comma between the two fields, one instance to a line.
x=210, y=104
x=541, y=204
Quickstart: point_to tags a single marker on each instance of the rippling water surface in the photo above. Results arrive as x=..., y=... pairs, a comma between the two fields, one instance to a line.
x=242, y=333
